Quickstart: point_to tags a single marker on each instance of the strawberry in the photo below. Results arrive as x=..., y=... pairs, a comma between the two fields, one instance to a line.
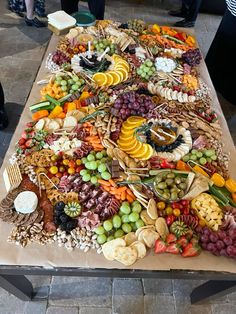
x=24, y=135
x=173, y=248
x=29, y=143
x=183, y=242
x=31, y=134
x=21, y=141
x=191, y=250
x=160, y=246
x=170, y=238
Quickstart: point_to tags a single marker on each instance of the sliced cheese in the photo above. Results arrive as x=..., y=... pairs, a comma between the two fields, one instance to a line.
x=12, y=177
x=26, y=202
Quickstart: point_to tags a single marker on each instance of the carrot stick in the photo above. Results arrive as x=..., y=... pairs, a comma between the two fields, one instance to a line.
x=123, y=195
x=121, y=189
x=112, y=182
x=103, y=182
x=129, y=198
x=106, y=188
x=130, y=193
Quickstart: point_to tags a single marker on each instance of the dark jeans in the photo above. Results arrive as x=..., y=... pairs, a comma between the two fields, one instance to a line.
x=191, y=8
x=220, y=58
x=1, y=97
x=96, y=7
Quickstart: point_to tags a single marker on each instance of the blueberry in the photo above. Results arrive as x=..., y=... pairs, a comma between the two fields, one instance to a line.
x=59, y=207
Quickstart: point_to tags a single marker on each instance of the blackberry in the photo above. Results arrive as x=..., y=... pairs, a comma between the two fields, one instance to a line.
x=59, y=207
x=72, y=224
x=57, y=220
x=64, y=218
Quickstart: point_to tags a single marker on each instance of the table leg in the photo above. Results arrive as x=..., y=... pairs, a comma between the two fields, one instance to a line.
x=212, y=289
x=18, y=285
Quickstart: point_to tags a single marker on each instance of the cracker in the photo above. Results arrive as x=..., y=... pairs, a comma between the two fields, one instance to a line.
x=130, y=238
x=109, y=248
x=152, y=209
x=150, y=237
x=146, y=219
x=126, y=255
x=140, y=248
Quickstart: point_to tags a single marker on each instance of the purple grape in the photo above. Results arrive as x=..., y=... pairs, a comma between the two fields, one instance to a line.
x=204, y=245
x=211, y=247
x=221, y=234
x=220, y=244
x=217, y=253
x=204, y=238
x=206, y=231
x=213, y=237
x=223, y=252
x=231, y=251
x=232, y=233
x=228, y=241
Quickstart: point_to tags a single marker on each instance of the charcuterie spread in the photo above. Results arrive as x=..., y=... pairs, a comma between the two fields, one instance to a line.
x=123, y=154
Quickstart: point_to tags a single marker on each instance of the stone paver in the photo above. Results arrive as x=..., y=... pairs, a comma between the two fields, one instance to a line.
x=74, y=291
x=22, y=49
x=127, y=296
x=95, y=310
x=62, y=310
x=159, y=304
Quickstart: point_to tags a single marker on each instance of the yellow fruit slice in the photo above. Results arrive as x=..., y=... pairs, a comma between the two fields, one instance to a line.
x=127, y=144
x=128, y=126
x=124, y=72
x=117, y=58
x=134, y=148
x=145, y=154
x=100, y=78
x=121, y=75
x=115, y=76
x=125, y=137
x=123, y=64
x=126, y=133
x=109, y=79
x=135, y=119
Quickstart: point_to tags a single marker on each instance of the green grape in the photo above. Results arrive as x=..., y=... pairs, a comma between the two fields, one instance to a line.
x=125, y=218
x=93, y=165
x=193, y=151
x=186, y=158
x=101, y=239
x=101, y=45
x=111, y=237
x=70, y=81
x=139, y=223
x=133, y=225
x=139, y=71
x=99, y=155
x=83, y=160
x=88, y=165
x=82, y=81
x=209, y=152
x=150, y=73
x=202, y=161
x=63, y=82
x=125, y=208
x=107, y=225
x=119, y=233
x=95, y=42
x=149, y=63
x=58, y=78
x=106, y=175
x=120, y=213
x=133, y=217
x=104, y=160
x=94, y=180
x=136, y=208
x=213, y=157
x=83, y=172
x=209, y=159
x=146, y=69
x=75, y=79
x=74, y=87
x=99, y=230
x=102, y=168
x=64, y=88
x=126, y=228
x=71, y=91
x=199, y=154
x=116, y=221
x=153, y=69
x=193, y=157
x=86, y=177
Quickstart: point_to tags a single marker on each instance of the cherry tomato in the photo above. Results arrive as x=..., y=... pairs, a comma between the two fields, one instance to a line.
x=168, y=210
x=71, y=164
x=65, y=162
x=58, y=175
x=161, y=205
x=176, y=205
x=184, y=202
x=65, y=174
x=71, y=170
x=176, y=212
x=79, y=168
x=21, y=141
x=170, y=219
x=54, y=158
x=78, y=162
x=53, y=169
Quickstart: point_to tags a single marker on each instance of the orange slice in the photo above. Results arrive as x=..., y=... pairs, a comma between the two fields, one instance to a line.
x=124, y=72
x=116, y=77
x=145, y=154
x=134, y=148
x=128, y=126
x=126, y=133
x=126, y=138
x=117, y=58
x=135, y=119
x=109, y=79
x=100, y=78
x=127, y=144
x=123, y=64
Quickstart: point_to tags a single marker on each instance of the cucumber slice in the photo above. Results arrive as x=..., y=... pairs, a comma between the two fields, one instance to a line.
x=40, y=106
x=63, y=99
x=53, y=100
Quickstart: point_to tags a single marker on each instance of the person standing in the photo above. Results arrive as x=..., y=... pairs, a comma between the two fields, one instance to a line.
x=220, y=59
x=30, y=19
x=3, y=115
x=96, y=7
x=189, y=11
x=18, y=7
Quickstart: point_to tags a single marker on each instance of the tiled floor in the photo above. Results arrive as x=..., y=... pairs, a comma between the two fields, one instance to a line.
x=21, y=52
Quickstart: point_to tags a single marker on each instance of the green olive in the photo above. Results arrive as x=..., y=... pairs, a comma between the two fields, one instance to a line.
x=183, y=186
x=181, y=194
x=159, y=191
x=169, y=181
x=177, y=180
x=162, y=185
x=170, y=175
x=174, y=196
x=166, y=195
x=183, y=179
x=158, y=180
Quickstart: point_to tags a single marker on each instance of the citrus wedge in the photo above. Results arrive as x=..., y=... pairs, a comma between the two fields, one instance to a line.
x=117, y=58
x=135, y=119
x=126, y=138
x=145, y=153
x=100, y=78
x=124, y=72
x=116, y=77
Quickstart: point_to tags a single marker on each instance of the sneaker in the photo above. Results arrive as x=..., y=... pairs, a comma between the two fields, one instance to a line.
x=184, y=23
x=3, y=119
x=34, y=22
x=177, y=13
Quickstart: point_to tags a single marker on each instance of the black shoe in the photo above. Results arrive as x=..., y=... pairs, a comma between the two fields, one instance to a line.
x=177, y=13
x=41, y=14
x=34, y=22
x=3, y=119
x=184, y=23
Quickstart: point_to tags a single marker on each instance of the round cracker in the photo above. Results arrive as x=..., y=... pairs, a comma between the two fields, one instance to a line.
x=152, y=209
x=130, y=238
x=144, y=227
x=108, y=249
x=146, y=219
x=150, y=237
x=140, y=248
x=126, y=255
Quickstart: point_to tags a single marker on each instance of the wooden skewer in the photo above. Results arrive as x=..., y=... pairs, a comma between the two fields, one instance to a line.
x=39, y=181
x=136, y=169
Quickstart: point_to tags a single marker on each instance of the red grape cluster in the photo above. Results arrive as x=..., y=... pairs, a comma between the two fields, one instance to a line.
x=219, y=243
x=192, y=57
x=131, y=103
x=60, y=58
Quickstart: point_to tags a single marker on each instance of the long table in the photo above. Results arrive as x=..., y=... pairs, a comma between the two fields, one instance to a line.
x=16, y=262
